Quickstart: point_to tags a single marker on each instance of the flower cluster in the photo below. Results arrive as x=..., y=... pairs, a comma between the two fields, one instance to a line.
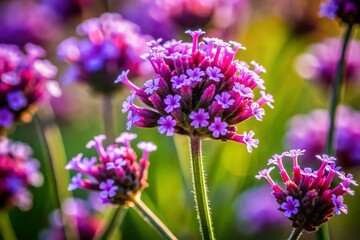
x=111, y=43
x=308, y=199
x=18, y=171
x=309, y=132
x=118, y=177
x=25, y=80
x=198, y=90
x=80, y=214
x=347, y=10
x=319, y=63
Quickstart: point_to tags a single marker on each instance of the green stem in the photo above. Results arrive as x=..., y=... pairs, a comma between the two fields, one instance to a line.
x=339, y=75
x=323, y=233
x=54, y=153
x=152, y=219
x=296, y=233
x=200, y=190
x=108, y=114
x=115, y=221
x=6, y=228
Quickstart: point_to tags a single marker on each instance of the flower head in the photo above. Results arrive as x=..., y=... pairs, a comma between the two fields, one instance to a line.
x=319, y=63
x=110, y=44
x=18, y=171
x=118, y=176
x=201, y=90
x=308, y=198
x=347, y=10
x=309, y=132
x=25, y=80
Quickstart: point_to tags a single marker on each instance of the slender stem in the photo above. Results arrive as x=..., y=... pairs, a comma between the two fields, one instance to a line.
x=339, y=75
x=296, y=233
x=152, y=219
x=115, y=221
x=200, y=190
x=108, y=114
x=6, y=228
x=323, y=233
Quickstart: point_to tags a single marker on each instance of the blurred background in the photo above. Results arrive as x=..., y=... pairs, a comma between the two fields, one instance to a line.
x=276, y=34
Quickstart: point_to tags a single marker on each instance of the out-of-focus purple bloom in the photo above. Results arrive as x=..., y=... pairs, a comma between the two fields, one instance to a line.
x=27, y=21
x=309, y=132
x=308, y=199
x=319, y=63
x=79, y=215
x=347, y=10
x=66, y=9
x=26, y=79
x=256, y=211
x=118, y=177
x=110, y=44
x=18, y=171
x=198, y=90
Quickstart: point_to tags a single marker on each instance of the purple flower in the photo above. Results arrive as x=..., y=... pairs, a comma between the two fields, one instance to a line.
x=339, y=205
x=109, y=44
x=203, y=91
x=319, y=63
x=218, y=127
x=26, y=79
x=151, y=85
x=167, y=125
x=309, y=132
x=19, y=172
x=309, y=197
x=291, y=206
x=118, y=176
x=108, y=189
x=199, y=118
x=347, y=10
x=132, y=118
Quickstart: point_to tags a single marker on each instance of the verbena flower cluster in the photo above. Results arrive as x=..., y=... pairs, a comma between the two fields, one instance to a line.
x=18, y=171
x=320, y=61
x=25, y=80
x=309, y=132
x=110, y=44
x=118, y=177
x=347, y=10
x=199, y=89
x=80, y=215
x=310, y=197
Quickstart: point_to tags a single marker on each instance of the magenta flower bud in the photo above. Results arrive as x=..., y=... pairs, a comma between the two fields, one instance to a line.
x=110, y=44
x=309, y=200
x=18, y=172
x=347, y=10
x=26, y=80
x=200, y=90
x=118, y=176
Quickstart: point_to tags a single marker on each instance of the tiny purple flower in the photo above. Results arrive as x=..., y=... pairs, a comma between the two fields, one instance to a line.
x=291, y=206
x=218, y=127
x=128, y=103
x=195, y=75
x=167, y=125
x=178, y=81
x=339, y=205
x=243, y=91
x=6, y=118
x=214, y=73
x=125, y=138
x=257, y=111
x=151, y=85
x=132, y=118
x=199, y=118
x=224, y=100
x=172, y=102
x=75, y=182
x=16, y=100
x=10, y=78
x=249, y=141
x=147, y=146
x=118, y=163
x=108, y=189
x=329, y=9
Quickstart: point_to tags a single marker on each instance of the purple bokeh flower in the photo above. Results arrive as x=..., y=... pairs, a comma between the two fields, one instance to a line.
x=118, y=177
x=347, y=10
x=26, y=79
x=309, y=132
x=202, y=90
x=310, y=198
x=18, y=171
x=110, y=44
x=320, y=61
